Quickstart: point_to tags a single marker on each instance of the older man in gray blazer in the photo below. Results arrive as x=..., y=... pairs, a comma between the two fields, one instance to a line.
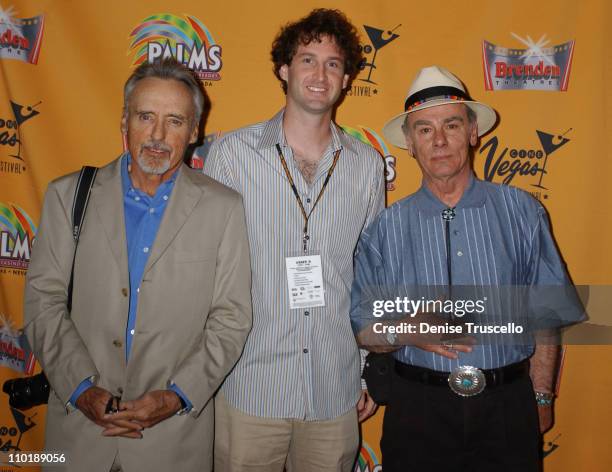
x=161, y=295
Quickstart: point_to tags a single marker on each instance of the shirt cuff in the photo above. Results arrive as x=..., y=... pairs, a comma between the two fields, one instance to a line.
x=84, y=385
x=188, y=405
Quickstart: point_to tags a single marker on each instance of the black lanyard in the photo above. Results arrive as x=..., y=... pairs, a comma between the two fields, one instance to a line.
x=297, y=195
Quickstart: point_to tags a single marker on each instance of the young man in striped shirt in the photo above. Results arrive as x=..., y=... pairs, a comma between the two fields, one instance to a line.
x=294, y=398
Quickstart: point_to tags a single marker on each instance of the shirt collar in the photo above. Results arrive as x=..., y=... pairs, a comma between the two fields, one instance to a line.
x=273, y=134
x=126, y=180
x=473, y=197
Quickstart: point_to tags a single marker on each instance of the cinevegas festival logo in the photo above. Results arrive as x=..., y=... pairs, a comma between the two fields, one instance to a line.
x=367, y=460
x=17, y=231
x=379, y=38
x=186, y=39
x=14, y=432
x=20, y=38
x=537, y=67
x=15, y=351
x=10, y=137
x=504, y=163
x=371, y=137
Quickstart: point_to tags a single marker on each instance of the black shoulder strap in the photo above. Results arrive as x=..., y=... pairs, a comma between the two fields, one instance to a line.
x=79, y=205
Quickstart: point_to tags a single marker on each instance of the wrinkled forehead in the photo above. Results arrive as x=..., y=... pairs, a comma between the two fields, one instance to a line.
x=436, y=113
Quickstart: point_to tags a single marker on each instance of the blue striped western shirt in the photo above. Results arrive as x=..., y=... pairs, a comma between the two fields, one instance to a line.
x=499, y=238
x=300, y=363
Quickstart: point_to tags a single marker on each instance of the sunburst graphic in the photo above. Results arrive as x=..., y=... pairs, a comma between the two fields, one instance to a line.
x=534, y=49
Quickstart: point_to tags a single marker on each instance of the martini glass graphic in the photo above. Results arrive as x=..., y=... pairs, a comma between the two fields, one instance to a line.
x=20, y=118
x=550, y=143
x=379, y=39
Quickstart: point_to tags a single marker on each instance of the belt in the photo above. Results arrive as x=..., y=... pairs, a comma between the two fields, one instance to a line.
x=493, y=377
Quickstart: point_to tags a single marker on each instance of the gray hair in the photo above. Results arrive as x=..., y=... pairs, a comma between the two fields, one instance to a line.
x=471, y=116
x=166, y=69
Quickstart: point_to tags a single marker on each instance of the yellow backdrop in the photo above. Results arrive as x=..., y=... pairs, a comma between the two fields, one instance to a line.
x=62, y=66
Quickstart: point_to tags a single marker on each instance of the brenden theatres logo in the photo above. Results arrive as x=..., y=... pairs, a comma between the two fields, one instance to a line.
x=17, y=231
x=20, y=38
x=369, y=136
x=506, y=163
x=15, y=351
x=10, y=138
x=184, y=38
x=367, y=460
x=535, y=68
x=379, y=38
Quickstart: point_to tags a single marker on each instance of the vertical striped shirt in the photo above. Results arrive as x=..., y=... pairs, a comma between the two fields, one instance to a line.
x=499, y=239
x=298, y=363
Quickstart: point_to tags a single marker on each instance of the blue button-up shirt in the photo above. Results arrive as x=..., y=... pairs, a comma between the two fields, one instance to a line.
x=143, y=215
x=500, y=241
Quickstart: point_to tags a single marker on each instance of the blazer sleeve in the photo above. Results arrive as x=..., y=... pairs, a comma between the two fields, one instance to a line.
x=55, y=341
x=229, y=320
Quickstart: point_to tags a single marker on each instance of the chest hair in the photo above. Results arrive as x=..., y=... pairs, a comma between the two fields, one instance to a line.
x=308, y=167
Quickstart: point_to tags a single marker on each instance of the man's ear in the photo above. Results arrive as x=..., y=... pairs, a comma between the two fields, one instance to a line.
x=124, y=122
x=194, y=134
x=283, y=72
x=474, y=134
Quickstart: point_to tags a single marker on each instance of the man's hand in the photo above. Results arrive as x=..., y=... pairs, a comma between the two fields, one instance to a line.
x=366, y=406
x=442, y=344
x=546, y=417
x=146, y=411
x=92, y=403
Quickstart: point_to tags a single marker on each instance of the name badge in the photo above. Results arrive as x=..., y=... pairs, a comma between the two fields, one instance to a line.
x=305, y=281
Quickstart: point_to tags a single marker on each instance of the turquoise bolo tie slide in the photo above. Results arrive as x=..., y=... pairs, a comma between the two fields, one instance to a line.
x=467, y=381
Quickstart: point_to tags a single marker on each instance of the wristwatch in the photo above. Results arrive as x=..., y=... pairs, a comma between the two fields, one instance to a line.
x=391, y=338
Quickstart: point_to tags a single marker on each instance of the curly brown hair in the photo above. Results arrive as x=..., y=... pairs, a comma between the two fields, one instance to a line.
x=320, y=22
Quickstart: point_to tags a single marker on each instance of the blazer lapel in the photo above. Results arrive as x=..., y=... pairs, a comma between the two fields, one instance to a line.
x=185, y=196
x=107, y=201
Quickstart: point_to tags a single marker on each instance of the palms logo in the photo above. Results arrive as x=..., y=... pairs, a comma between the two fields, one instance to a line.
x=379, y=38
x=371, y=137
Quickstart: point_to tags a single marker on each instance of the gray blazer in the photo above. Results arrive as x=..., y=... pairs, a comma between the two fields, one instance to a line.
x=194, y=314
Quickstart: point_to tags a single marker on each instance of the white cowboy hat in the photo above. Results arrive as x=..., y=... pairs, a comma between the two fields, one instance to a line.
x=434, y=86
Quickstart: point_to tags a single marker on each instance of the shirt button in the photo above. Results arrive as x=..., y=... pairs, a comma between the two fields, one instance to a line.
x=132, y=332
x=308, y=200
x=456, y=233
x=305, y=351
x=306, y=313
x=151, y=210
x=165, y=197
x=117, y=343
x=145, y=249
x=138, y=290
x=124, y=291
x=137, y=198
x=459, y=253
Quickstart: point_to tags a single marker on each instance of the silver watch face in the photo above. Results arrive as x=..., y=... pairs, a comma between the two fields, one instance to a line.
x=466, y=380
x=391, y=338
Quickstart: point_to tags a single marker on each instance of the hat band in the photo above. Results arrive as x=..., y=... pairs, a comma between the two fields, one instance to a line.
x=434, y=93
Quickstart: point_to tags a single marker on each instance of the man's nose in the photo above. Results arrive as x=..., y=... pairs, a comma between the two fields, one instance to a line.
x=320, y=71
x=440, y=137
x=158, y=132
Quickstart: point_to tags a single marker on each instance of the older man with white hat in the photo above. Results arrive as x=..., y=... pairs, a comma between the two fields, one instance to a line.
x=465, y=402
